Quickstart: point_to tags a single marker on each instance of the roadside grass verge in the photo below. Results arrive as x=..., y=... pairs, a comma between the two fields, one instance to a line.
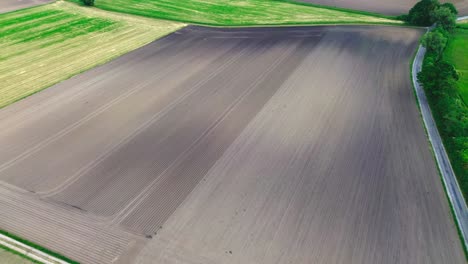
x=462, y=23
x=40, y=248
x=243, y=12
x=10, y=256
x=44, y=45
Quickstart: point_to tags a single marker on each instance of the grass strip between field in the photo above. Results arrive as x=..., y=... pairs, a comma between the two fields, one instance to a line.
x=38, y=247
x=11, y=256
x=44, y=45
x=243, y=12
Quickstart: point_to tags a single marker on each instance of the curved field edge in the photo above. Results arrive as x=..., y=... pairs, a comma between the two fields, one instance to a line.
x=244, y=12
x=33, y=245
x=44, y=45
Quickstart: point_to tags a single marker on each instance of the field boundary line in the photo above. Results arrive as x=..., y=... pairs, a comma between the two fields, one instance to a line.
x=449, y=179
x=28, y=251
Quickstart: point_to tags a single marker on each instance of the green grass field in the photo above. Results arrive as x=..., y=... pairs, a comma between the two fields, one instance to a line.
x=44, y=45
x=457, y=54
x=241, y=12
x=457, y=147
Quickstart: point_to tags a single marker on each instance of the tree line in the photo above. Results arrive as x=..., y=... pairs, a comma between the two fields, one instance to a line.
x=439, y=79
x=438, y=76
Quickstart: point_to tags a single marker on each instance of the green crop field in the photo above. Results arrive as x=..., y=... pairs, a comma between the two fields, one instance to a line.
x=242, y=12
x=43, y=45
x=457, y=54
x=457, y=146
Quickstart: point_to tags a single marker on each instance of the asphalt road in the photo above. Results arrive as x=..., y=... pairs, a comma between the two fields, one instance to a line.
x=387, y=7
x=256, y=145
x=12, y=5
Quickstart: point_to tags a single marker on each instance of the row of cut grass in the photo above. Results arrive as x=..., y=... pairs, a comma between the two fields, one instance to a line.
x=44, y=45
x=242, y=12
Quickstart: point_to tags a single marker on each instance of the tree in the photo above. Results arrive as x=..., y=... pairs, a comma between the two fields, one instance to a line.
x=455, y=116
x=428, y=74
x=438, y=76
x=450, y=6
x=446, y=85
x=421, y=13
x=447, y=71
x=445, y=18
x=434, y=42
x=88, y=2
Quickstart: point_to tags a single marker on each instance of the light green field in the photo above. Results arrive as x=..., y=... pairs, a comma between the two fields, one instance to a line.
x=43, y=45
x=242, y=12
x=457, y=54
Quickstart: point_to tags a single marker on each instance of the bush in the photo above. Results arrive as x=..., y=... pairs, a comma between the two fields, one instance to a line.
x=88, y=2
x=450, y=6
x=421, y=13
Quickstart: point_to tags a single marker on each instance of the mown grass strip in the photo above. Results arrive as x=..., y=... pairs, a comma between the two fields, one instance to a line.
x=47, y=44
x=243, y=12
x=20, y=255
x=33, y=245
x=7, y=20
x=6, y=31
